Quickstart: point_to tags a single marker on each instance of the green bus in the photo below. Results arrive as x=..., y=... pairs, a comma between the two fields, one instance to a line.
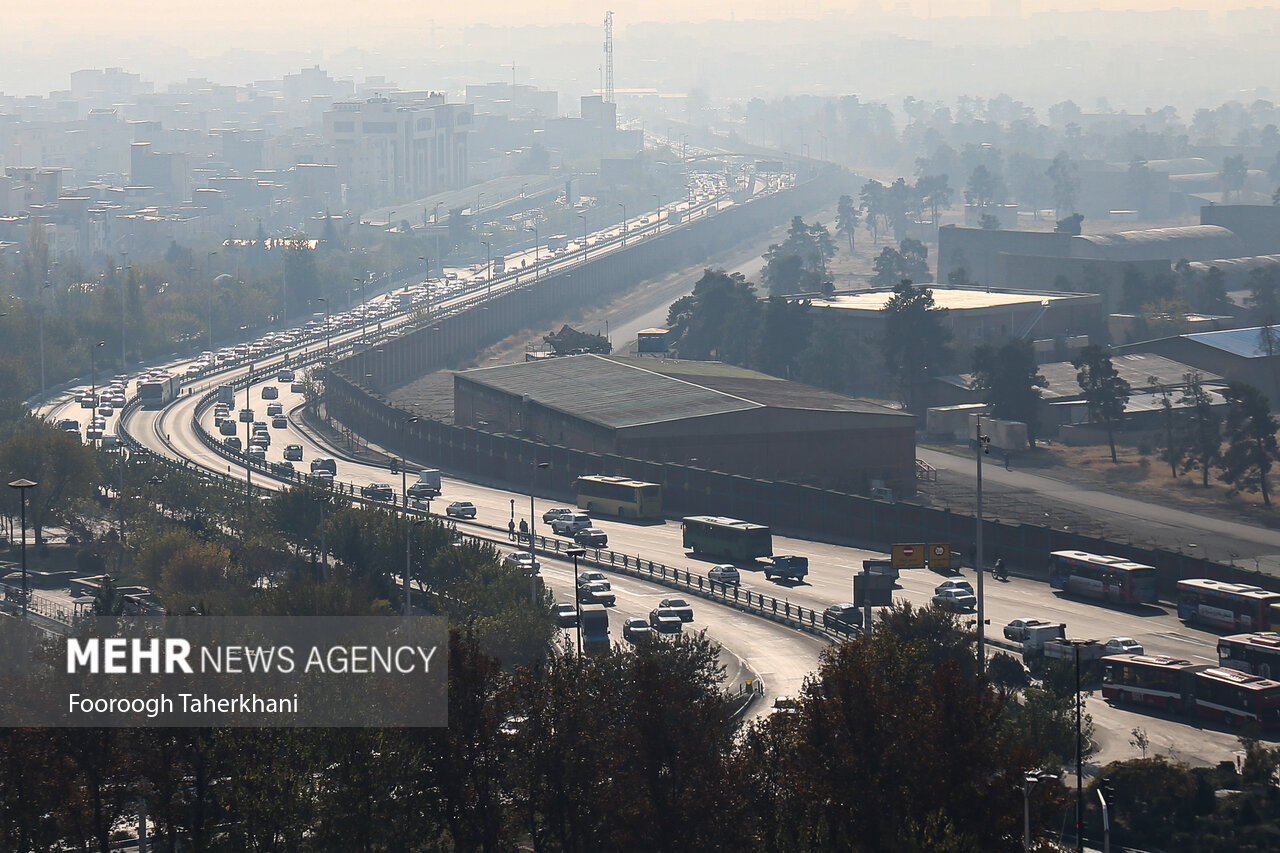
x=726, y=537
x=619, y=497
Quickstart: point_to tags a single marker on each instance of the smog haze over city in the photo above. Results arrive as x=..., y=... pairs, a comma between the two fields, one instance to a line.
x=757, y=427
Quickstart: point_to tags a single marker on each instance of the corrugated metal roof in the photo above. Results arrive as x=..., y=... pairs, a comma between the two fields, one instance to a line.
x=1158, y=235
x=620, y=392
x=607, y=392
x=1246, y=343
x=1138, y=369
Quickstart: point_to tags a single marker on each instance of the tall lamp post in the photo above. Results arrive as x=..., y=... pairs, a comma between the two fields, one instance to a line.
x=404, y=507
x=488, y=267
x=624, y=222
x=577, y=552
x=328, y=333
x=533, y=571
x=45, y=287
x=22, y=486
x=207, y=263
x=154, y=481
x=583, y=217
x=536, y=272
x=980, y=450
x=658, y=199
x=93, y=369
x=1027, y=781
x=124, y=310
x=1076, y=645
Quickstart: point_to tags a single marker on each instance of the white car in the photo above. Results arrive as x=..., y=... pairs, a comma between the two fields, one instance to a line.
x=1123, y=646
x=1018, y=629
x=725, y=574
x=523, y=560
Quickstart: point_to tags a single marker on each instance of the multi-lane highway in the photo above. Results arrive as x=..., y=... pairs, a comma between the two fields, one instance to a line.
x=780, y=656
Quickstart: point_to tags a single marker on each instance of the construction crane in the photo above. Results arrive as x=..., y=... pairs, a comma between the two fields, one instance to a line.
x=608, y=57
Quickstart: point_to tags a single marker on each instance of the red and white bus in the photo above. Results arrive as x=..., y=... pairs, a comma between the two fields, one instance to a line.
x=1236, y=697
x=1257, y=654
x=1175, y=685
x=1155, y=680
x=1218, y=604
x=1111, y=579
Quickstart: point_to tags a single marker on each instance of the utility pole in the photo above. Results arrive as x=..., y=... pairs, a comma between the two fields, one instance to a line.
x=980, y=450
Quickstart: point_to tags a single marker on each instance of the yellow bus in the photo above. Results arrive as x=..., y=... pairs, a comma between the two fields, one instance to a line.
x=619, y=497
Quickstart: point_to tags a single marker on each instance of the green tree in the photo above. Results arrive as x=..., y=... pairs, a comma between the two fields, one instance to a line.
x=1250, y=434
x=719, y=319
x=987, y=222
x=1234, y=172
x=1066, y=183
x=1010, y=381
x=1202, y=436
x=838, y=774
x=784, y=333
x=64, y=469
x=916, y=346
x=812, y=246
x=1105, y=392
x=872, y=198
x=934, y=192
x=836, y=360
x=847, y=215
x=983, y=187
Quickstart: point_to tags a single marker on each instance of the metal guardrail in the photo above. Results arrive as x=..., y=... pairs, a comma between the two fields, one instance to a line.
x=46, y=608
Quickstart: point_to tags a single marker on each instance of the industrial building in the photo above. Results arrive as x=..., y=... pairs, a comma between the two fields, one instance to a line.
x=978, y=315
x=1226, y=236
x=1248, y=355
x=702, y=414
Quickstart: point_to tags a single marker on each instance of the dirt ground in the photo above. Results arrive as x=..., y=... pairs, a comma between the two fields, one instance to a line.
x=1135, y=475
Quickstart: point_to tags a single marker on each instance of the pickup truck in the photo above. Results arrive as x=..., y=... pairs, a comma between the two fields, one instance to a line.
x=1035, y=636
x=786, y=566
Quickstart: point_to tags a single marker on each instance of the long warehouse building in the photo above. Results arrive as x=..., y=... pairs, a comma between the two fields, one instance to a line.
x=702, y=414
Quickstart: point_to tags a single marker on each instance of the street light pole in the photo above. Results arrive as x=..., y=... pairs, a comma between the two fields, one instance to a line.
x=46, y=286
x=624, y=222
x=207, y=260
x=1076, y=645
x=980, y=450
x=124, y=303
x=328, y=334
x=22, y=486
x=577, y=552
x=533, y=571
x=93, y=370
x=488, y=267
x=154, y=481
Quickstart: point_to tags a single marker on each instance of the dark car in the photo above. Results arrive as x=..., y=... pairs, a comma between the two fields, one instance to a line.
x=293, y=452
x=282, y=469
x=377, y=492
x=591, y=537
x=678, y=606
x=665, y=620
x=842, y=617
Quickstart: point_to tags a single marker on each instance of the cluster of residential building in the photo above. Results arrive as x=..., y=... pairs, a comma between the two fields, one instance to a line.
x=112, y=162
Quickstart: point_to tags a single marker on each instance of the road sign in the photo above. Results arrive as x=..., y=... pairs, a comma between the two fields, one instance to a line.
x=940, y=555
x=908, y=556
x=880, y=590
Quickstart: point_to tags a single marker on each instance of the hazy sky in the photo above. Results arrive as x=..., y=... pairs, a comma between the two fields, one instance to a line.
x=186, y=19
